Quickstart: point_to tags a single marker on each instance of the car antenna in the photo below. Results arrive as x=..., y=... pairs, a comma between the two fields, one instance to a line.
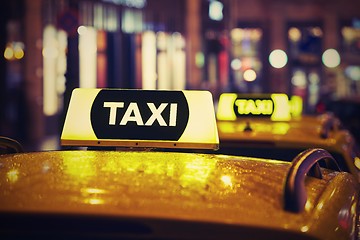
x=247, y=128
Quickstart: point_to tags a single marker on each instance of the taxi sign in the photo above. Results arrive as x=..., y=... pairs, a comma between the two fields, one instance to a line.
x=140, y=118
x=277, y=106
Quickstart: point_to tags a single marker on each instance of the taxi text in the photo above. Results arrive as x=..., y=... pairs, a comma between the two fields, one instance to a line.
x=132, y=114
x=255, y=107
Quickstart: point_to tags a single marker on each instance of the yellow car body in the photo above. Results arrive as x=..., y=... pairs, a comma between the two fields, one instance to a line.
x=260, y=137
x=83, y=194
x=273, y=126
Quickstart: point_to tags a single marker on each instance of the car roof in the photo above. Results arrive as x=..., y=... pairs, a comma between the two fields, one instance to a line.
x=247, y=136
x=165, y=185
x=305, y=131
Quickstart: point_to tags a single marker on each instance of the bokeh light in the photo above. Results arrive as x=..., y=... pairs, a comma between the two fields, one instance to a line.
x=236, y=64
x=249, y=75
x=278, y=58
x=331, y=58
x=353, y=72
x=14, y=51
x=294, y=34
x=8, y=53
x=81, y=30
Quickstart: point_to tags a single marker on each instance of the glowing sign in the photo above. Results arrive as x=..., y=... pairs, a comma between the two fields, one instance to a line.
x=275, y=106
x=255, y=107
x=140, y=118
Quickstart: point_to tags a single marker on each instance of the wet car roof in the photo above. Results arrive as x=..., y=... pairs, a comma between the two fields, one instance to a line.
x=195, y=187
x=304, y=132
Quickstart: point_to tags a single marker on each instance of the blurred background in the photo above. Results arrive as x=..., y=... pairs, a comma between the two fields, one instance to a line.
x=309, y=48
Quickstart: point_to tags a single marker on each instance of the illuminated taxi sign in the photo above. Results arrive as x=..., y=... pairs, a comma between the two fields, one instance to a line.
x=140, y=118
x=275, y=106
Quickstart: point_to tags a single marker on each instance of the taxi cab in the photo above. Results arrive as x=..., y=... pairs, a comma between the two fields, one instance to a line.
x=113, y=182
x=273, y=126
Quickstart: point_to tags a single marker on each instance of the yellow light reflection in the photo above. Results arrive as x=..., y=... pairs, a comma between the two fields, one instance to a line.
x=159, y=168
x=94, y=201
x=191, y=172
x=320, y=205
x=280, y=128
x=226, y=127
x=91, y=195
x=12, y=175
x=304, y=228
x=80, y=166
x=196, y=172
x=308, y=206
x=357, y=162
x=353, y=208
x=130, y=165
x=263, y=127
x=93, y=191
x=227, y=181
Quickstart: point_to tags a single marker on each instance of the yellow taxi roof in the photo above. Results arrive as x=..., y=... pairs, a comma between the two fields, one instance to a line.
x=305, y=131
x=164, y=185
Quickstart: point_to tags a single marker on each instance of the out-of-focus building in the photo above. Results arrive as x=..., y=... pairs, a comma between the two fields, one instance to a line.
x=302, y=47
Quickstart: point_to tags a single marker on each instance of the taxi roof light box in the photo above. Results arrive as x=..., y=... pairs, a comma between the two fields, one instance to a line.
x=140, y=118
